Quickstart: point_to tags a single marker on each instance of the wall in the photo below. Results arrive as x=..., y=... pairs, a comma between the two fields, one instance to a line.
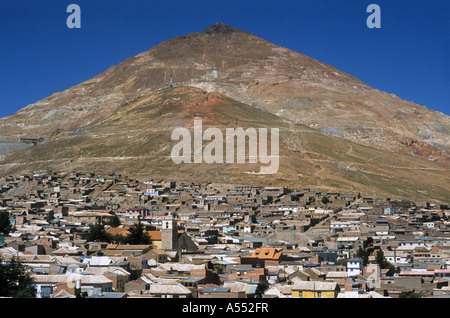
x=313, y=294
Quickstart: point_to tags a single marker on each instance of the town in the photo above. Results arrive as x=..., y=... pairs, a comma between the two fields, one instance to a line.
x=93, y=235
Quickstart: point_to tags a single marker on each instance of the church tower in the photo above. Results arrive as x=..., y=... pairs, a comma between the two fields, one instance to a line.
x=169, y=235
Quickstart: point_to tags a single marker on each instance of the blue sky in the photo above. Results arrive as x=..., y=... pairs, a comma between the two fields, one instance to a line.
x=409, y=56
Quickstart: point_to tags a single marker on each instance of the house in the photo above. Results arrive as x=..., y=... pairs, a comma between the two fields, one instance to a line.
x=314, y=289
x=88, y=217
x=341, y=278
x=158, y=255
x=118, y=275
x=202, y=276
x=98, y=261
x=372, y=273
x=243, y=289
x=262, y=257
x=397, y=257
x=278, y=291
x=354, y=266
x=155, y=238
x=215, y=292
x=350, y=242
x=49, y=285
x=138, y=285
x=168, y=291
x=354, y=288
x=70, y=250
x=96, y=248
x=126, y=249
x=255, y=275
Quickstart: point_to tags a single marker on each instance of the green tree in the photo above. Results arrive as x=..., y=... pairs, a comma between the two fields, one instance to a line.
x=5, y=224
x=137, y=235
x=391, y=267
x=342, y=261
x=114, y=221
x=410, y=294
x=364, y=255
x=325, y=200
x=384, y=264
x=118, y=239
x=98, y=233
x=15, y=281
x=379, y=259
x=219, y=269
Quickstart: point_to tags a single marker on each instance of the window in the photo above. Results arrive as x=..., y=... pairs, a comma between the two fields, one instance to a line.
x=46, y=291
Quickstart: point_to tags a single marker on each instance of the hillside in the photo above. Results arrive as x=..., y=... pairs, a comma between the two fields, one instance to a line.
x=136, y=140
x=253, y=71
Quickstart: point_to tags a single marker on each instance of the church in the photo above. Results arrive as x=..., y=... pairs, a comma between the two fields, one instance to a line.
x=174, y=240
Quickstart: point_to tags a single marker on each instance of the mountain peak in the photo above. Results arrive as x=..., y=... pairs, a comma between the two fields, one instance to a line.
x=221, y=28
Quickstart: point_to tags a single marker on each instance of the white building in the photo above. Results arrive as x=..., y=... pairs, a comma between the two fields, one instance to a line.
x=354, y=266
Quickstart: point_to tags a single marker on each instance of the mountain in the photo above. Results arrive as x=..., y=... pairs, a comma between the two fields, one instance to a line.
x=251, y=70
x=335, y=131
x=136, y=140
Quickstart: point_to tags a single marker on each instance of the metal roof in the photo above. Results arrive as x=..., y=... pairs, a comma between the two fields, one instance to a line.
x=216, y=290
x=114, y=295
x=251, y=289
x=191, y=279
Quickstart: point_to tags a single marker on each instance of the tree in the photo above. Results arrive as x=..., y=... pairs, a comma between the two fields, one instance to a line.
x=219, y=269
x=364, y=255
x=15, y=281
x=137, y=235
x=5, y=224
x=391, y=268
x=384, y=264
x=410, y=294
x=379, y=259
x=325, y=200
x=97, y=232
x=118, y=239
x=114, y=221
x=342, y=261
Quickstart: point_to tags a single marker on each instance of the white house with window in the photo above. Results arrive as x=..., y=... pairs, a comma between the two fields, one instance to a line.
x=354, y=266
x=411, y=244
x=398, y=257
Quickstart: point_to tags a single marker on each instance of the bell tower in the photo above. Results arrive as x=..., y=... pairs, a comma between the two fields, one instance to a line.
x=169, y=235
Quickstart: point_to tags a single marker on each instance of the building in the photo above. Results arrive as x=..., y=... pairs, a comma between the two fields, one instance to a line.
x=315, y=289
x=354, y=266
x=169, y=234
